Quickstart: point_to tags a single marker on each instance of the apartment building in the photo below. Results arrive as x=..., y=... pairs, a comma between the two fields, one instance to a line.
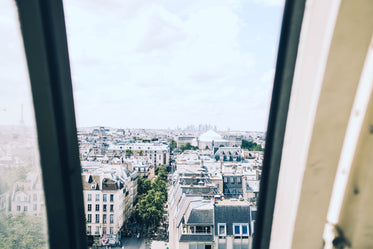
x=27, y=196
x=211, y=223
x=156, y=153
x=108, y=201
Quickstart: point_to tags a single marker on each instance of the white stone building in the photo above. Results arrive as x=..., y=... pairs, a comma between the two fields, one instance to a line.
x=108, y=201
x=28, y=196
x=211, y=139
x=157, y=153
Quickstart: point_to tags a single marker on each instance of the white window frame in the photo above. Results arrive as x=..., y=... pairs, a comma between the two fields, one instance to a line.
x=234, y=230
x=225, y=229
x=241, y=225
x=247, y=229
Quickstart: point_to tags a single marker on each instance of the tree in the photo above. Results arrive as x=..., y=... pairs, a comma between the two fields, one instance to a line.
x=159, y=185
x=252, y=146
x=152, y=196
x=162, y=172
x=143, y=186
x=173, y=145
x=22, y=232
x=188, y=146
x=154, y=139
x=150, y=208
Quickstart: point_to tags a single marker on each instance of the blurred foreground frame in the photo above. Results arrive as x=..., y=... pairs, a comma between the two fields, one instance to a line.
x=44, y=37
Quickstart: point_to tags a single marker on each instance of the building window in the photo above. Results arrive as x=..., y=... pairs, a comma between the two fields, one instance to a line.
x=240, y=229
x=111, y=208
x=232, y=179
x=89, y=207
x=104, y=219
x=111, y=230
x=225, y=179
x=104, y=197
x=35, y=207
x=97, y=207
x=89, y=197
x=238, y=179
x=97, y=197
x=97, y=218
x=97, y=230
x=104, y=207
x=222, y=245
x=89, y=218
x=25, y=208
x=89, y=230
x=199, y=246
x=111, y=219
x=111, y=197
x=237, y=229
x=104, y=230
x=18, y=208
x=222, y=229
x=35, y=197
x=244, y=230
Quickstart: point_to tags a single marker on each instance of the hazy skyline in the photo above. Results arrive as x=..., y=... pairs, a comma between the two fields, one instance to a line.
x=161, y=64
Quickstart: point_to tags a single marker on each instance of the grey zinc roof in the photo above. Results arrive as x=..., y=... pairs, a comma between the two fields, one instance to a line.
x=201, y=212
x=201, y=217
x=230, y=214
x=196, y=237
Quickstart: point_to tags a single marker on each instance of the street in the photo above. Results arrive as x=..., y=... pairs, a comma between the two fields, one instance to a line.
x=134, y=243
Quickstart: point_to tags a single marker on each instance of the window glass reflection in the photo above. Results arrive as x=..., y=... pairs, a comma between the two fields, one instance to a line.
x=22, y=205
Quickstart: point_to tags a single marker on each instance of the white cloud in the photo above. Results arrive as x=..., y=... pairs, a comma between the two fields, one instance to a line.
x=270, y=2
x=164, y=63
x=268, y=76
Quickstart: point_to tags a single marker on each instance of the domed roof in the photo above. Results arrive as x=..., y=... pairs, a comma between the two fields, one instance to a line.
x=210, y=136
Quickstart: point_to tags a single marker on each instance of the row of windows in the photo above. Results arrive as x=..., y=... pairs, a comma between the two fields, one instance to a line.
x=25, y=208
x=232, y=191
x=104, y=197
x=232, y=179
x=239, y=229
x=97, y=208
x=199, y=246
x=26, y=198
x=97, y=216
x=97, y=231
x=235, y=245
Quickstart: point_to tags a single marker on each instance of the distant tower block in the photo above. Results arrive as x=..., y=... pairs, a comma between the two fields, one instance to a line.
x=22, y=121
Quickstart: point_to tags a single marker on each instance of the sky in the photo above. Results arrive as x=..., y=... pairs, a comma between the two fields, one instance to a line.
x=158, y=64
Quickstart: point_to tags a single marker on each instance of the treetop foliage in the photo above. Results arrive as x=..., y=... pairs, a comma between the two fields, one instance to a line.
x=252, y=146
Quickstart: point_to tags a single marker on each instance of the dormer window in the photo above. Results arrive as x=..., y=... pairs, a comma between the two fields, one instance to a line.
x=93, y=186
x=222, y=229
x=240, y=229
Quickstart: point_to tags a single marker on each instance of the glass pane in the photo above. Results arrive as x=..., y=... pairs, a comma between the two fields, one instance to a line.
x=222, y=246
x=22, y=206
x=244, y=229
x=237, y=229
x=175, y=83
x=221, y=229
